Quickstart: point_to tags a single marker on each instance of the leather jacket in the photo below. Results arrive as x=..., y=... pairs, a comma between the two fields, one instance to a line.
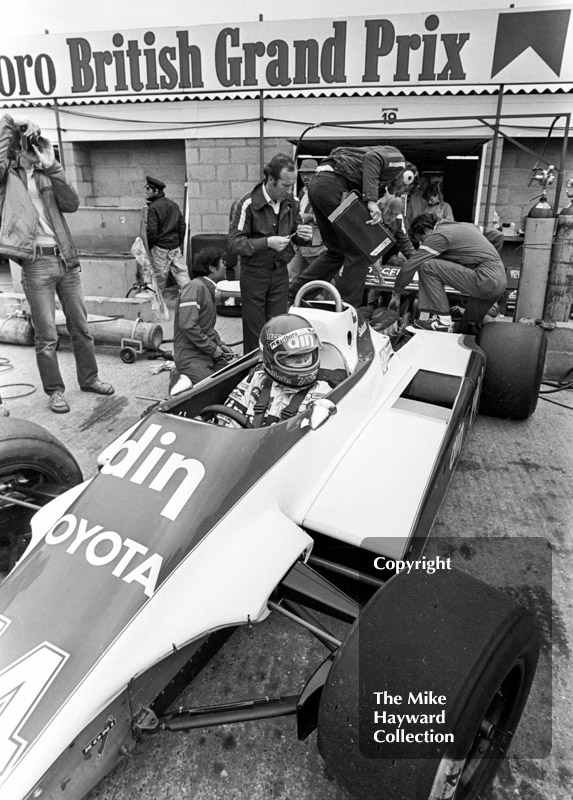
x=165, y=223
x=19, y=218
x=253, y=221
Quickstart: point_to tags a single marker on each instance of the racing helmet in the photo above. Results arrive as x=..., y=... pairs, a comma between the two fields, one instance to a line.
x=289, y=349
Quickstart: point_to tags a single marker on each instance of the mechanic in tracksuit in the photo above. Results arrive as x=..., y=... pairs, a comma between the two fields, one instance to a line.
x=198, y=350
x=453, y=254
x=369, y=170
x=264, y=224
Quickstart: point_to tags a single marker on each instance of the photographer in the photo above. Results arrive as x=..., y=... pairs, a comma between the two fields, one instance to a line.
x=33, y=194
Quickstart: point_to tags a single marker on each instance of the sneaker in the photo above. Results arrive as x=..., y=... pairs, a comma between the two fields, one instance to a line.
x=98, y=387
x=58, y=403
x=433, y=324
x=183, y=384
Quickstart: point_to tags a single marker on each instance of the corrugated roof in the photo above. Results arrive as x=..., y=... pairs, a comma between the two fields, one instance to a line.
x=382, y=91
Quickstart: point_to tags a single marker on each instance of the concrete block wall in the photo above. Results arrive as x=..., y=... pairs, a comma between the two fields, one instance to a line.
x=79, y=171
x=119, y=170
x=113, y=173
x=517, y=194
x=219, y=172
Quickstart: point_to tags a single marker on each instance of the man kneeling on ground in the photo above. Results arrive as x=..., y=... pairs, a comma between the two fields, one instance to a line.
x=199, y=351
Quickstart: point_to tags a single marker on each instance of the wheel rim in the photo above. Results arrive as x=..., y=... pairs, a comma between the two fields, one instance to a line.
x=19, y=481
x=456, y=779
x=20, y=498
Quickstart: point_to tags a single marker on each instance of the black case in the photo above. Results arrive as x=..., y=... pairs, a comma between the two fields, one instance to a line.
x=350, y=219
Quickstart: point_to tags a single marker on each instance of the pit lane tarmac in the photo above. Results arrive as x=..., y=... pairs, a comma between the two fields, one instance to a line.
x=513, y=482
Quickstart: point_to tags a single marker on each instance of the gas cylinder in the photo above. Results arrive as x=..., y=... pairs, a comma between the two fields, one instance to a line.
x=541, y=209
x=559, y=296
x=537, y=243
x=112, y=331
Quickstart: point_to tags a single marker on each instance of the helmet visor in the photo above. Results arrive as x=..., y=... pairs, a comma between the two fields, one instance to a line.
x=296, y=360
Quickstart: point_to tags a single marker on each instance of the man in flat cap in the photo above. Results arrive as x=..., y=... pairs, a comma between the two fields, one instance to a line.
x=165, y=235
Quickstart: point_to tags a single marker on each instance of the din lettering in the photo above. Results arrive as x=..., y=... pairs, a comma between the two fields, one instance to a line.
x=171, y=471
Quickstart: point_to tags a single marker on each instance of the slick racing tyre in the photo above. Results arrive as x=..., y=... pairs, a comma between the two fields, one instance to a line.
x=515, y=359
x=30, y=460
x=445, y=636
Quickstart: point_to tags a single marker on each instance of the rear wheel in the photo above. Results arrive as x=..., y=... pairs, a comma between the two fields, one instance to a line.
x=446, y=634
x=515, y=359
x=34, y=467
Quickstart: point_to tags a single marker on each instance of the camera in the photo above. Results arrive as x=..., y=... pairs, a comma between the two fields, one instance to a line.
x=33, y=139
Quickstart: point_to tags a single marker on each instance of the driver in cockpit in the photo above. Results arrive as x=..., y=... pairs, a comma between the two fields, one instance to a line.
x=285, y=382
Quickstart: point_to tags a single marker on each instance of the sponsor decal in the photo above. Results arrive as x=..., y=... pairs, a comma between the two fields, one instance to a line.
x=545, y=32
x=102, y=548
x=386, y=354
x=457, y=448
x=476, y=397
x=399, y=49
x=385, y=243
x=101, y=738
x=302, y=339
x=173, y=473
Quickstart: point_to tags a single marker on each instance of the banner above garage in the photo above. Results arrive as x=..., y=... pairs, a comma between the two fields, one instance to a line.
x=453, y=51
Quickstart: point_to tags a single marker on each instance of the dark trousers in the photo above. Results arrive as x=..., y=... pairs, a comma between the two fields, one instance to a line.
x=264, y=294
x=325, y=192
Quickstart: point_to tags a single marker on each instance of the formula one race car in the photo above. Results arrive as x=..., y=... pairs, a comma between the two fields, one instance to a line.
x=182, y=543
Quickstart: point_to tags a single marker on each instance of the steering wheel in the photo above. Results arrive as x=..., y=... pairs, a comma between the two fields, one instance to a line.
x=312, y=286
x=219, y=408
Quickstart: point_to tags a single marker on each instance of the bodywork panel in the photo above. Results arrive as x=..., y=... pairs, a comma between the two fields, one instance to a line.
x=206, y=521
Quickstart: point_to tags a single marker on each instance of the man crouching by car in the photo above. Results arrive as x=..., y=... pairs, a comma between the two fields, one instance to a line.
x=33, y=232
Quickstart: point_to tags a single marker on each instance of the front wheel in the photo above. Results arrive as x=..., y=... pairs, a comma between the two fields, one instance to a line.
x=420, y=638
x=515, y=359
x=34, y=467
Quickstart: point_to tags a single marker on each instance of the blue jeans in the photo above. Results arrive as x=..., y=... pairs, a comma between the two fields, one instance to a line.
x=42, y=279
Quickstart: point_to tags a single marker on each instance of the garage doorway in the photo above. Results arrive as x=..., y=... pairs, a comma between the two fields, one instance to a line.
x=454, y=163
